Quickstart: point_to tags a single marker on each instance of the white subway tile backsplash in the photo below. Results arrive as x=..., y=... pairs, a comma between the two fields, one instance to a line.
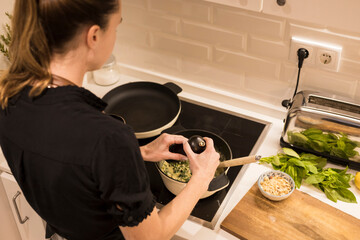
x=215, y=36
x=244, y=22
x=244, y=63
x=288, y=73
x=141, y=17
x=232, y=49
x=132, y=35
x=148, y=59
x=180, y=47
x=187, y=9
x=328, y=82
x=213, y=76
x=270, y=91
x=350, y=67
x=276, y=50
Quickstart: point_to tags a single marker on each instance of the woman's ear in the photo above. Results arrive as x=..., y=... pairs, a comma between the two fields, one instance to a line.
x=93, y=36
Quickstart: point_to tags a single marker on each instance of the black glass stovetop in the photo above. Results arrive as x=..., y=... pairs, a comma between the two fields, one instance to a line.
x=241, y=134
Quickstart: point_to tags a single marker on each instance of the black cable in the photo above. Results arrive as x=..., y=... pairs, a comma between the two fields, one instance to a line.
x=302, y=53
x=297, y=82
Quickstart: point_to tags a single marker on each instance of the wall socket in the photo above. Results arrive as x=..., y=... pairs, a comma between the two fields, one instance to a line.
x=321, y=55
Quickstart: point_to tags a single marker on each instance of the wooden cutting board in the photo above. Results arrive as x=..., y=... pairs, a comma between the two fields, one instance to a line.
x=300, y=216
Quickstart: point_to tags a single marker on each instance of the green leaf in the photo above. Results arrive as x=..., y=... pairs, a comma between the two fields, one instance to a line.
x=319, y=137
x=276, y=161
x=338, y=153
x=308, y=156
x=297, y=138
x=301, y=172
x=314, y=179
x=266, y=160
x=311, y=168
x=311, y=131
x=297, y=162
x=345, y=195
x=291, y=171
x=290, y=152
x=341, y=144
x=331, y=194
x=321, y=162
x=318, y=146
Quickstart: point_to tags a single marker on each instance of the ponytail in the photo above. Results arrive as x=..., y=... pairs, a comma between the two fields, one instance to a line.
x=41, y=28
x=29, y=53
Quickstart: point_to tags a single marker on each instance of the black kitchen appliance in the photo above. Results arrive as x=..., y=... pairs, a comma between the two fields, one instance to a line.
x=241, y=133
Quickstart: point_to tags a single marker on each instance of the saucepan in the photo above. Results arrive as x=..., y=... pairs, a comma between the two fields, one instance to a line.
x=148, y=107
x=219, y=182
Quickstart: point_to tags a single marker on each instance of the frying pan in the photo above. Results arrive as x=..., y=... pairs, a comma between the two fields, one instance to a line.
x=148, y=107
x=218, y=183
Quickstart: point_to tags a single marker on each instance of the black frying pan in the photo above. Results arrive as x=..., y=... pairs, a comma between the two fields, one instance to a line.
x=148, y=107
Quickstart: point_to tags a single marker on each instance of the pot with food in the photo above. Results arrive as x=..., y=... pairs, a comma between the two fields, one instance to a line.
x=176, y=174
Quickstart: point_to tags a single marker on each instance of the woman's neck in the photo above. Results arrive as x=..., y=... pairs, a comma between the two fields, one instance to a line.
x=71, y=66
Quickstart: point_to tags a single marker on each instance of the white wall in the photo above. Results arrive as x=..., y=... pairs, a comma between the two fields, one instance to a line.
x=236, y=50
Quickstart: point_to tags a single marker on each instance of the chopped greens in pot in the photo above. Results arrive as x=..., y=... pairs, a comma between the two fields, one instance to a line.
x=180, y=170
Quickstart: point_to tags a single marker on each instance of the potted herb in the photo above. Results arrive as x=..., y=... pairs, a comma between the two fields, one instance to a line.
x=5, y=40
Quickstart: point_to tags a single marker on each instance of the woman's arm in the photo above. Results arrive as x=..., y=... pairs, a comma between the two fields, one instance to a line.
x=165, y=223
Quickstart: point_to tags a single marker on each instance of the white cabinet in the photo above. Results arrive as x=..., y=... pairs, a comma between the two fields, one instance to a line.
x=328, y=13
x=8, y=228
x=254, y=5
x=30, y=225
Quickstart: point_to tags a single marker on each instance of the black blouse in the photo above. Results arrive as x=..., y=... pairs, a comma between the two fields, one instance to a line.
x=74, y=164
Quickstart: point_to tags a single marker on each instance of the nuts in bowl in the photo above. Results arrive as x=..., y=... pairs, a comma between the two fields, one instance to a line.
x=276, y=185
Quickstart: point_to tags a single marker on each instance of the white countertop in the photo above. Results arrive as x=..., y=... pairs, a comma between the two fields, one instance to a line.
x=249, y=173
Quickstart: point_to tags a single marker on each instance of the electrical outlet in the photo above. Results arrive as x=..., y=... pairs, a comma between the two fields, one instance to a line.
x=297, y=43
x=328, y=59
x=321, y=55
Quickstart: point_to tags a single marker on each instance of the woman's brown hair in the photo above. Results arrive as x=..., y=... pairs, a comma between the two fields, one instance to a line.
x=41, y=28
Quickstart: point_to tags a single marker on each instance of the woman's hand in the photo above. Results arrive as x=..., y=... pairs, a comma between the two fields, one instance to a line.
x=204, y=165
x=158, y=149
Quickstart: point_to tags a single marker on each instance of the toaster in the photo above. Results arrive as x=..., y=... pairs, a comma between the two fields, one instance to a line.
x=324, y=125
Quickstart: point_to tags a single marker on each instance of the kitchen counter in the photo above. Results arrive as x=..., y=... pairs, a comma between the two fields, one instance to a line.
x=249, y=174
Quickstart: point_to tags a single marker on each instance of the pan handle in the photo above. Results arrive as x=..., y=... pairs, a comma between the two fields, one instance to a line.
x=240, y=161
x=173, y=87
x=219, y=182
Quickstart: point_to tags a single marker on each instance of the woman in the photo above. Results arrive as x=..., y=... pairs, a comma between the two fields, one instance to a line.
x=81, y=170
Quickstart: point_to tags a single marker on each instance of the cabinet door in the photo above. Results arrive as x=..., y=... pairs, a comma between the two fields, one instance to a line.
x=328, y=13
x=254, y=5
x=30, y=225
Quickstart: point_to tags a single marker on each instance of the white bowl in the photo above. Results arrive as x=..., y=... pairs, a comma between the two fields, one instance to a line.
x=276, y=173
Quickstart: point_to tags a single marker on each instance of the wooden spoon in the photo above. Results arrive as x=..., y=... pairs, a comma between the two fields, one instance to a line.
x=239, y=161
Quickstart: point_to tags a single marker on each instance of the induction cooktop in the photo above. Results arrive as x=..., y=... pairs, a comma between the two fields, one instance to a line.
x=243, y=135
